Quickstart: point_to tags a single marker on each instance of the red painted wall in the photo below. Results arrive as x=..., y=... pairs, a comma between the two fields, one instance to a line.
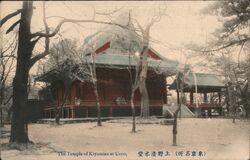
x=113, y=84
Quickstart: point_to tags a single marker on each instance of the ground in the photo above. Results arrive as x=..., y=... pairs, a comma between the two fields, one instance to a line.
x=206, y=138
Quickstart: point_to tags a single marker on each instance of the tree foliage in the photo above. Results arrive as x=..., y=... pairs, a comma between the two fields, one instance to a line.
x=60, y=52
x=234, y=16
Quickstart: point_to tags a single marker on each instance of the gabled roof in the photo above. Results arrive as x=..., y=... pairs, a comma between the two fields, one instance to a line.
x=204, y=81
x=117, y=40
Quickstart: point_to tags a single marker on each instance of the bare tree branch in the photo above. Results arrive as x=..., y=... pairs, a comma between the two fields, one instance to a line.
x=40, y=34
x=9, y=70
x=55, y=17
x=13, y=26
x=8, y=48
x=46, y=50
x=9, y=16
x=8, y=56
x=48, y=34
x=236, y=42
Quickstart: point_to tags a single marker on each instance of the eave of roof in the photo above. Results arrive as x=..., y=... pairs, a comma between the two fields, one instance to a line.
x=117, y=61
x=204, y=81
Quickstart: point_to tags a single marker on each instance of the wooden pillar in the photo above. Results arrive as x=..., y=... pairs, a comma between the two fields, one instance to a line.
x=50, y=114
x=63, y=112
x=72, y=113
x=191, y=97
x=219, y=93
x=87, y=112
x=205, y=97
x=110, y=112
x=68, y=116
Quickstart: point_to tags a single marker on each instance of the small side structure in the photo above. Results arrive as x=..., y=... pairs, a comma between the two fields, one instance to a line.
x=209, y=97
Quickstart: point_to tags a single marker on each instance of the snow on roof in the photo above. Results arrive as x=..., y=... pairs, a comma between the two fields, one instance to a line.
x=203, y=80
x=121, y=38
x=117, y=61
x=126, y=60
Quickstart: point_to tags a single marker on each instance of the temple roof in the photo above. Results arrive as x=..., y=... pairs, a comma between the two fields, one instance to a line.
x=114, y=39
x=120, y=38
x=117, y=61
x=205, y=81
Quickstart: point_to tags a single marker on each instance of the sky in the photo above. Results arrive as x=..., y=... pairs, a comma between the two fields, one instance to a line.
x=182, y=24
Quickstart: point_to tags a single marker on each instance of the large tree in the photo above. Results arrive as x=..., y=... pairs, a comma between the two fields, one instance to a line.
x=145, y=44
x=19, y=128
x=26, y=59
x=234, y=16
x=229, y=43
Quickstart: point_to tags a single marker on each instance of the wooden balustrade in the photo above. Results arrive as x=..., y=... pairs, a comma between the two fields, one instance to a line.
x=204, y=105
x=92, y=103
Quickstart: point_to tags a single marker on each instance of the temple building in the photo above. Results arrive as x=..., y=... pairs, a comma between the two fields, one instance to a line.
x=112, y=61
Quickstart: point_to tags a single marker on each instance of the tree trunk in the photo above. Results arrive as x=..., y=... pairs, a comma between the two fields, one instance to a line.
x=144, y=100
x=19, y=128
x=142, y=86
x=232, y=102
x=234, y=113
x=2, y=104
x=176, y=113
x=59, y=111
x=94, y=81
x=98, y=106
x=227, y=99
x=133, y=111
x=180, y=113
x=175, y=130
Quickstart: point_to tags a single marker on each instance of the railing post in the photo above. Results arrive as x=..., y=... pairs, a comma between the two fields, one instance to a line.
x=219, y=98
x=72, y=113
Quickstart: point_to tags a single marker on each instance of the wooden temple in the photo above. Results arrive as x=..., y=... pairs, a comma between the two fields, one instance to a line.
x=113, y=79
x=209, y=91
